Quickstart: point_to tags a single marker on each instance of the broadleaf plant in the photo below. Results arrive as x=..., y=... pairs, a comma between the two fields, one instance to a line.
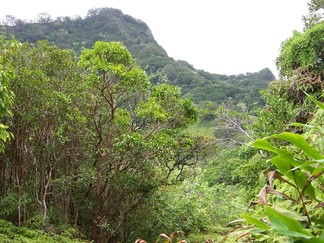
x=296, y=209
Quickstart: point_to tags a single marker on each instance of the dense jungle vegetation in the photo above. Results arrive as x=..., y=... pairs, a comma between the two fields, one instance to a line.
x=105, y=138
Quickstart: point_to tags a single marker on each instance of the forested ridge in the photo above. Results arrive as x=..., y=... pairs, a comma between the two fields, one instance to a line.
x=107, y=139
x=108, y=24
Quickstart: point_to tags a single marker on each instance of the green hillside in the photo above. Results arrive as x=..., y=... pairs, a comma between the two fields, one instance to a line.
x=108, y=24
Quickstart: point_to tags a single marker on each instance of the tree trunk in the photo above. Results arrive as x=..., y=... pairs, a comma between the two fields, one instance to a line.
x=76, y=217
x=66, y=202
x=46, y=189
x=2, y=176
x=96, y=229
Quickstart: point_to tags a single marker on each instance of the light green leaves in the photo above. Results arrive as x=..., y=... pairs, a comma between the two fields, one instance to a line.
x=8, y=49
x=105, y=54
x=302, y=50
x=256, y=222
x=285, y=225
x=112, y=73
x=300, y=143
x=266, y=145
x=319, y=104
x=152, y=109
x=299, y=176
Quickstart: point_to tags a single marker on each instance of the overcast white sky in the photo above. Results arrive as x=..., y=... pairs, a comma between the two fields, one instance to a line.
x=219, y=36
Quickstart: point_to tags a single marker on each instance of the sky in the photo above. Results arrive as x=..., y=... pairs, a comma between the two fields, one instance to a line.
x=218, y=36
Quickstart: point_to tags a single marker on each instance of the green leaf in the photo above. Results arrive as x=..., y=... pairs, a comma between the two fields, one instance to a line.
x=285, y=163
x=307, y=166
x=290, y=214
x=299, y=142
x=285, y=225
x=256, y=222
x=314, y=240
x=298, y=124
x=264, y=144
x=319, y=104
x=293, y=234
x=301, y=180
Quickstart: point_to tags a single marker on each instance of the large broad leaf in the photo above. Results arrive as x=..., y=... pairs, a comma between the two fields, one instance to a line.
x=285, y=163
x=307, y=166
x=264, y=144
x=294, y=234
x=290, y=214
x=256, y=222
x=301, y=143
x=302, y=181
x=285, y=225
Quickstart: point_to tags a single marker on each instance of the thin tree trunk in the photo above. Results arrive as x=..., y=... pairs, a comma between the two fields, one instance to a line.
x=19, y=196
x=96, y=230
x=67, y=206
x=2, y=176
x=46, y=188
x=76, y=217
x=25, y=215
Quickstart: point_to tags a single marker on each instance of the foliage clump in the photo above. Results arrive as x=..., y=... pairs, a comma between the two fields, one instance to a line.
x=12, y=233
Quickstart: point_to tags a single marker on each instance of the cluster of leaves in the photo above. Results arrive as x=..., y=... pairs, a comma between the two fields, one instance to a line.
x=303, y=51
x=315, y=15
x=6, y=95
x=297, y=183
x=301, y=66
x=292, y=196
x=12, y=233
x=197, y=210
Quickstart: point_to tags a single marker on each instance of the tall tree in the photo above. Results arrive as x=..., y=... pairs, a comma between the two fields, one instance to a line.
x=301, y=67
x=8, y=50
x=132, y=131
x=315, y=15
x=43, y=115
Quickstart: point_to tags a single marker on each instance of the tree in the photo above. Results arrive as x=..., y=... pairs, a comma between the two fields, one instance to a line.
x=301, y=68
x=232, y=124
x=132, y=131
x=303, y=52
x=44, y=118
x=8, y=49
x=315, y=15
x=44, y=18
x=10, y=20
x=292, y=198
